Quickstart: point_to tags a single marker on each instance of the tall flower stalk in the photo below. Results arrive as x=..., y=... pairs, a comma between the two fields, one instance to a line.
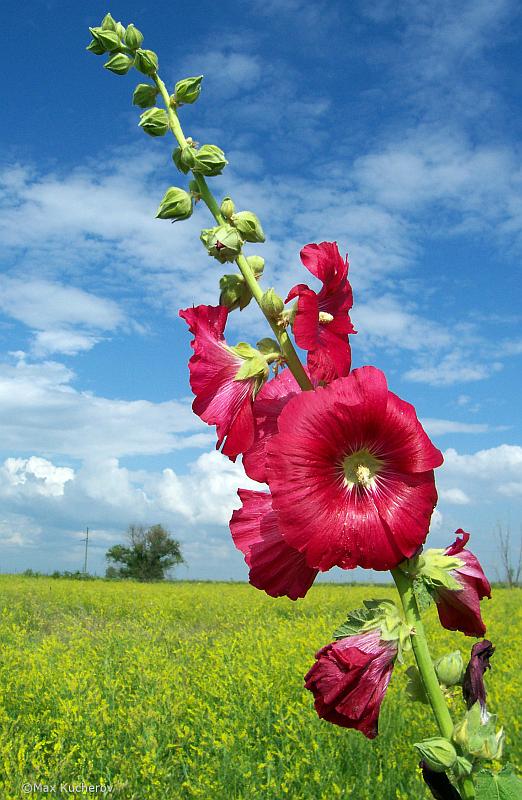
x=348, y=467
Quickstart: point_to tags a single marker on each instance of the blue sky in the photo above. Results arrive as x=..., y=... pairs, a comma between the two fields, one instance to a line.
x=391, y=127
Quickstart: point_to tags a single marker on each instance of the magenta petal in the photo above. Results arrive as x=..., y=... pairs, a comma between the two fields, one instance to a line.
x=275, y=567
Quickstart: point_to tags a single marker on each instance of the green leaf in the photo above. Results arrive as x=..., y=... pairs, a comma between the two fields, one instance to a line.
x=363, y=618
x=422, y=593
x=504, y=785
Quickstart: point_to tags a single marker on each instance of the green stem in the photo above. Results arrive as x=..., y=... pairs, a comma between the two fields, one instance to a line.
x=287, y=348
x=424, y=661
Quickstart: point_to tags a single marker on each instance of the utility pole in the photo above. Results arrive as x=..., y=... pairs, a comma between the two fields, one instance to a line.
x=86, y=540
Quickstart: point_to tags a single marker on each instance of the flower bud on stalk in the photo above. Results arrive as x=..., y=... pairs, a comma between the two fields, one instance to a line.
x=437, y=753
x=108, y=23
x=450, y=669
x=119, y=64
x=146, y=61
x=184, y=158
x=188, y=90
x=210, y=160
x=154, y=122
x=144, y=95
x=222, y=242
x=107, y=39
x=227, y=208
x=133, y=37
x=176, y=205
x=272, y=304
x=96, y=48
x=248, y=226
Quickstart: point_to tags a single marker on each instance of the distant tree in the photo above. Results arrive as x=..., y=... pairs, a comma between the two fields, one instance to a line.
x=510, y=557
x=151, y=552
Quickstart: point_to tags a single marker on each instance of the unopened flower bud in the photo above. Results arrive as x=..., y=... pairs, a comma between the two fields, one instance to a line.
x=107, y=39
x=227, y=207
x=146, y=61
x=210, y=160
x=120, y=30
x=176, y=204
x=108, y=23
x=234, y=292
x=119, y=64
x=188, y=90
x=249, y=226
x=450, y=669
x=144, y=95
x=437, y=753
x=133, y=37
x=96, y=48
x=268, y=346
x=155, y=122
x=222, y=242
x=257, y=265
x=272, y=304
x=184, y=158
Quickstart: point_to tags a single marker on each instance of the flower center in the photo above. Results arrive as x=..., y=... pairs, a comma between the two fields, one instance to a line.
x=360, y=469
x=325, y=318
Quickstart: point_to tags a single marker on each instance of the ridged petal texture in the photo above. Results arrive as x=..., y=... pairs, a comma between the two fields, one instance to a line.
x=349, y=680
x=460, y=610
x=220, y=399
x=320, y=513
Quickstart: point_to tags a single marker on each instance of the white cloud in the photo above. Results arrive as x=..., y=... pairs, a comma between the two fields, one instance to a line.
x=455, y=367
x=455, y=496
x=41, y=411
x=496, y=465
x=440, y=427
x=36, y=474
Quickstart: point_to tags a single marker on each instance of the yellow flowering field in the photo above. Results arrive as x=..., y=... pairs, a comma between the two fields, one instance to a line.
x=195, y=690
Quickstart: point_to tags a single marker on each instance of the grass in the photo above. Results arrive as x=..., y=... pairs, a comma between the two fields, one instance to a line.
x=195, y=690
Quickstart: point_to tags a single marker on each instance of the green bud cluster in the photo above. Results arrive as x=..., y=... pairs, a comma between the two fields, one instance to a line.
x=477, y=736
x=176, y=205
x=155, y=122
x=184, y=157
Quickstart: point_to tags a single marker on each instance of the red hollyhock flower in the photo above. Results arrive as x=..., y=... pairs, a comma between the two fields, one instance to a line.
x=459, y=610
x=274, y=565
x=322, y=323
x=349, y=680
x=351, y=474
x=473, y=687
x=267, y=406
x=222, y=399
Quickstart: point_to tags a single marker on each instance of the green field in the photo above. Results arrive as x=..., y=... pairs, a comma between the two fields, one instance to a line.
x=196, y=690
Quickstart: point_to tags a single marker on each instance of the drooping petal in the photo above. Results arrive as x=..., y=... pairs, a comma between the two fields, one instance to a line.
x=275, y=567
x=473, y=688
x=220, y=399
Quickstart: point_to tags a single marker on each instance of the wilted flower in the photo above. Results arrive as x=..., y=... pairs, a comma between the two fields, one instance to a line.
x=349, y=680
x=351, y=474
x=322, y=323
x=275, y=567
x=224, y=379
x=438, y=784
x=460, y=610
x=473, y=688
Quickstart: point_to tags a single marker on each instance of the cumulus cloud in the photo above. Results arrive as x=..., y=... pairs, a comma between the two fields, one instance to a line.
x=35, y=474
x=455, y=496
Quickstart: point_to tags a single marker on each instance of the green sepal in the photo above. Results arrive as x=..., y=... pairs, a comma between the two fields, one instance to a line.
x=222, y=242
x=268, y=346
x=254, y=364
x=96, y=48
x=120, y=30
x=155, y=121
x=119, y=64
x=184, y=158
x=249, y=226
x=462, y=767
x=435, y=568
x=503, y=785
x=256, y=264
x=423, y=595
x=479, y=739
x=382, y=614
x=108, y=23
x=188, y=90
x=108, y=39
x=438, y=753
x=271, y=304
x=146, y=61
x=415, y=686
x=210, y=160
x=234, y=292
x=176, y=204
x=450, y=668
x=144, y=95
x=227, y=207
x=133, y=37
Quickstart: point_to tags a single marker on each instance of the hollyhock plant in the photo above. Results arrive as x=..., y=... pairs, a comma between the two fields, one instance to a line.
x=223, y=396
x=459, y=610
x=322, y=324
x=351, y=474
x=274, y=566
x=349, y=680
x=349, y=468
